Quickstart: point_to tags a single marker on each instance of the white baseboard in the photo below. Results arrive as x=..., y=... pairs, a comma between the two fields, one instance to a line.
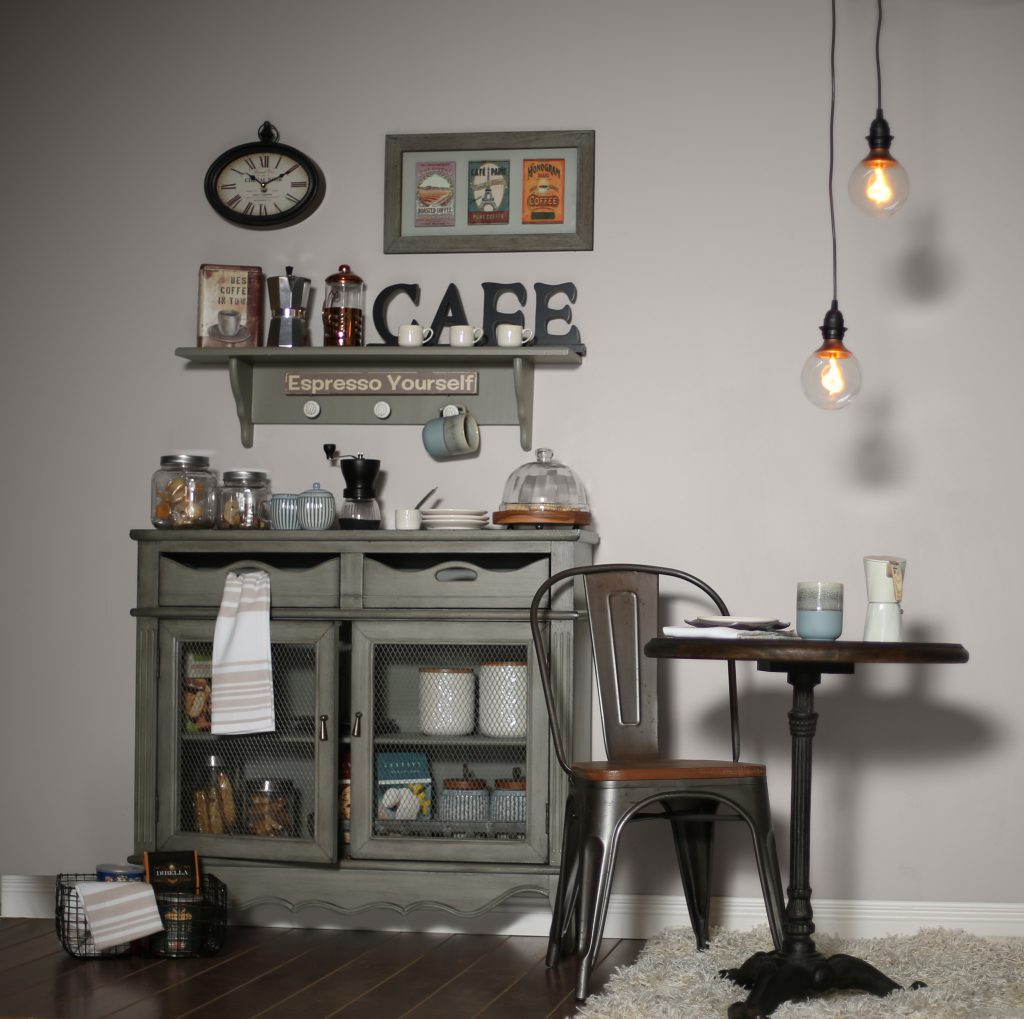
x=629, y=916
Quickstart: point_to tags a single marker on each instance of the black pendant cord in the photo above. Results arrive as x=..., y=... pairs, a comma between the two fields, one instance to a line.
x=878, y=57
x=831, y=159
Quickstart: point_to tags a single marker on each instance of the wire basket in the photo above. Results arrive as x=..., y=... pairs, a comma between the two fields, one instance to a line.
x=194, y=925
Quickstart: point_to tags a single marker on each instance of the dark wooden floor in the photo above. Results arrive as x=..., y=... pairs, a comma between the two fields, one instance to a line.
x=285, y=973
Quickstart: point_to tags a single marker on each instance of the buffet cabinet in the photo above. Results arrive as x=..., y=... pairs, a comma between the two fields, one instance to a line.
x=409, y=765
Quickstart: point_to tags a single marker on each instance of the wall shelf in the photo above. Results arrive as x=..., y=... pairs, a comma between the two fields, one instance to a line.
x=259, y=378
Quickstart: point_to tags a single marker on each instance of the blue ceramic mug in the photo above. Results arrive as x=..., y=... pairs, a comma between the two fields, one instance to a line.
x=819, y=609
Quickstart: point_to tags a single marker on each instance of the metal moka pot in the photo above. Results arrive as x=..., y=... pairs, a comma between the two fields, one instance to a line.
x=289, y=297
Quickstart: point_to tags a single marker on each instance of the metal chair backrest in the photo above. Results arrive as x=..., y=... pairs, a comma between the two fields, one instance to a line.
x=622, y=602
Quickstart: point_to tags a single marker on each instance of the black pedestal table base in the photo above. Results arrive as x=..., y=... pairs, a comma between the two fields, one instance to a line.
x=773, y=977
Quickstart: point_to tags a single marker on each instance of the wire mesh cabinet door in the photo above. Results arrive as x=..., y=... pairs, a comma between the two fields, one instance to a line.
x=260, y=796
x=449, y=744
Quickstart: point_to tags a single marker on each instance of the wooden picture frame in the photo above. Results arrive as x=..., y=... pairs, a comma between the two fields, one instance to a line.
x=501, y=191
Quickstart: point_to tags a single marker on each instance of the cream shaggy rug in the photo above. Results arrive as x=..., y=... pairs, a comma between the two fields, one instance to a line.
x=968, y=978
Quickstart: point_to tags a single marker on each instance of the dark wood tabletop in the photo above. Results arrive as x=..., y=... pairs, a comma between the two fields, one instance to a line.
x=805, y=652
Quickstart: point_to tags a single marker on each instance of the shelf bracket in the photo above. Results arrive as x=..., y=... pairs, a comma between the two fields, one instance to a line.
x=522, y=375
x=240, y=374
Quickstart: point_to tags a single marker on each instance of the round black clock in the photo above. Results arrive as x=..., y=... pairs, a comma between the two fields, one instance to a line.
x=264, y=184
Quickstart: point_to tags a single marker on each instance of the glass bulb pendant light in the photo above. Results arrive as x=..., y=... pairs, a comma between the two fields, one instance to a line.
x=879, y=185
x=831, y=375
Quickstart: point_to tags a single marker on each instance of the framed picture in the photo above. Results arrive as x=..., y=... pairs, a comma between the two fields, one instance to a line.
x=507, y=191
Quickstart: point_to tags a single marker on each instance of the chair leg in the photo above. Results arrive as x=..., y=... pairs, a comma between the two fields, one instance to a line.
x=768, y=865
x=694, y=841
x=597, y=863
x=564, y=932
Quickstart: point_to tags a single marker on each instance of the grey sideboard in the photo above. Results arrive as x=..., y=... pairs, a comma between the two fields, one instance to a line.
x=304, y=814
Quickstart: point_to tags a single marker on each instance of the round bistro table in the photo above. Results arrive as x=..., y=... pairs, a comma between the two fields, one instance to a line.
x=799, y=971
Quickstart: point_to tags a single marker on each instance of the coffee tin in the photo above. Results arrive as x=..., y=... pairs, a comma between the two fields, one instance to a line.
x=119, y=872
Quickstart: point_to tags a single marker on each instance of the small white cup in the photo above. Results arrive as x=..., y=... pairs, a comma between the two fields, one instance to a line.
x=508, y=334
x=413, y=335
x=227, y=322
x=408, y=519
x=464, y=336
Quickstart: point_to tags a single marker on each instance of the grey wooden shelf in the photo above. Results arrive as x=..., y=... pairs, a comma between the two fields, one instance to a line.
x=258, y=377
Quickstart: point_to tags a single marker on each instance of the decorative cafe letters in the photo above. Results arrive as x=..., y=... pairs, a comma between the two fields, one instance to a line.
x=451, y=311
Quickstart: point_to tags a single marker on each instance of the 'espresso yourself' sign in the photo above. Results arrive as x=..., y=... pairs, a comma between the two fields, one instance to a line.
x=380, y=383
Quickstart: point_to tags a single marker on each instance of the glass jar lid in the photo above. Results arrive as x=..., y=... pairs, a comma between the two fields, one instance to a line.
x=544, y=484
x=185, y=461
x=254, y=478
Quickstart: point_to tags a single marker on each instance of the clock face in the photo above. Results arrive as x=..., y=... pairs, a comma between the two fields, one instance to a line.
x=264, y=185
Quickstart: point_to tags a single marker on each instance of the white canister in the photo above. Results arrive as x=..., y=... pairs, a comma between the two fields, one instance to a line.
x=504, y=699
x=447, y=701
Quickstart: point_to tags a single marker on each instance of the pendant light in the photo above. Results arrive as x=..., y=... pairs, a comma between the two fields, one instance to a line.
x=879, y=185
x=831, y=375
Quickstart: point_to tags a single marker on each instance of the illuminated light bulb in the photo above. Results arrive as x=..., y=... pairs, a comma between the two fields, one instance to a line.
x=879, y=185
x=831, y=375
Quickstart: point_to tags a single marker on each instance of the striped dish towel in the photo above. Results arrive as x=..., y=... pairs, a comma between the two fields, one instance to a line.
x=119, y=911
x=243, y=686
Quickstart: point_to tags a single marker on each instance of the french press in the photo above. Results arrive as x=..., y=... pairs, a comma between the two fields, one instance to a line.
x=343, y=308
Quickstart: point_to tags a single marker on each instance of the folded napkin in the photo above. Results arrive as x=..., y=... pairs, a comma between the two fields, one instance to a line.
x=702, y=631
x=727, y=632
x=243, y=685
x=119, y=911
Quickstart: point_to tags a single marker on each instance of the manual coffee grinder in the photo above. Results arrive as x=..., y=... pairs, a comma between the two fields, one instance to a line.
x=289, y=296
x=884, y=577
x=359, y=510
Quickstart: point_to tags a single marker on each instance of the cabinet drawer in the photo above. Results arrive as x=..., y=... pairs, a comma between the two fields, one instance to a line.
x=296, y=579
x=476, y=581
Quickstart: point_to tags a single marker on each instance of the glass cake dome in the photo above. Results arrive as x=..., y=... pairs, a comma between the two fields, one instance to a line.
x=543, y=491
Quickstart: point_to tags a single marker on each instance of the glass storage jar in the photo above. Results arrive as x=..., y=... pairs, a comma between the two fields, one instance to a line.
x=241, y=499
x=184, y=492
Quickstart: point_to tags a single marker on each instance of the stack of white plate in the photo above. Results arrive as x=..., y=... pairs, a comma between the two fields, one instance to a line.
x=454, y=519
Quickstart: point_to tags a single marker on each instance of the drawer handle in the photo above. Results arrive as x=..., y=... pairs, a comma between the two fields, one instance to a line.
x=455, y=573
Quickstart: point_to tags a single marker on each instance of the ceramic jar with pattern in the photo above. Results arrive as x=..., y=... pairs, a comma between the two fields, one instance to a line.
x=504, y=699
x=447, y=701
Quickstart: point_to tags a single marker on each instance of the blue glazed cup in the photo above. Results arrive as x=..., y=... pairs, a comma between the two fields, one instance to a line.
x=281, y=512
x=819, y=609
x=452, y=435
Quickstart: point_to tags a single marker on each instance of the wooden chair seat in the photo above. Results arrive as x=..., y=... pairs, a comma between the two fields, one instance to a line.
x=664, y=770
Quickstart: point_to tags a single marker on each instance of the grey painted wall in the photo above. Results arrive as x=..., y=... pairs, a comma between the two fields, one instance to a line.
x=703, y=295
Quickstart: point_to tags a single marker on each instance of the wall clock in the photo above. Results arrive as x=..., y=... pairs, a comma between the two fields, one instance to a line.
x=264, y=184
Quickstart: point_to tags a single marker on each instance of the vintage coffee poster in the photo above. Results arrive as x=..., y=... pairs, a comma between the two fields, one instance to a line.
x=230, y=305
x=543, y=190
x=435, y=194
x=488, y=192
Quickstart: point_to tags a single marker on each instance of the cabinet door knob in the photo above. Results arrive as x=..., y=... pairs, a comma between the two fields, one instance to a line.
x=323, y=728
x=357, y=725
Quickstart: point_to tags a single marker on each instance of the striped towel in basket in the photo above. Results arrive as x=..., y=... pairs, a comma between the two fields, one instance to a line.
x=243, y=686
x=119, y=911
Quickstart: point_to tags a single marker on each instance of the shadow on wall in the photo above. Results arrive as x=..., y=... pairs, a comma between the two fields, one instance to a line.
x=925, y=273
x=860, y=724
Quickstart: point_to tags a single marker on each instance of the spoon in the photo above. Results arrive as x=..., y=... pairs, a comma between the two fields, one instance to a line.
x=425, y=498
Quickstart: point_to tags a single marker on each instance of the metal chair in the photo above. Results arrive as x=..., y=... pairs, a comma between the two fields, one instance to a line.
x=622, y=603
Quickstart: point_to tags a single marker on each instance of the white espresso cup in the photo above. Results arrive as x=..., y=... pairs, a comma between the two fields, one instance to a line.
x=408, y=519
x=413, y=335
x=509, y=334
x=464, y=336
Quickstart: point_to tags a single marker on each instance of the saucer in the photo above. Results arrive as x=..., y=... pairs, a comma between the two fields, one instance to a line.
x=738, y=622
x=242, y=336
